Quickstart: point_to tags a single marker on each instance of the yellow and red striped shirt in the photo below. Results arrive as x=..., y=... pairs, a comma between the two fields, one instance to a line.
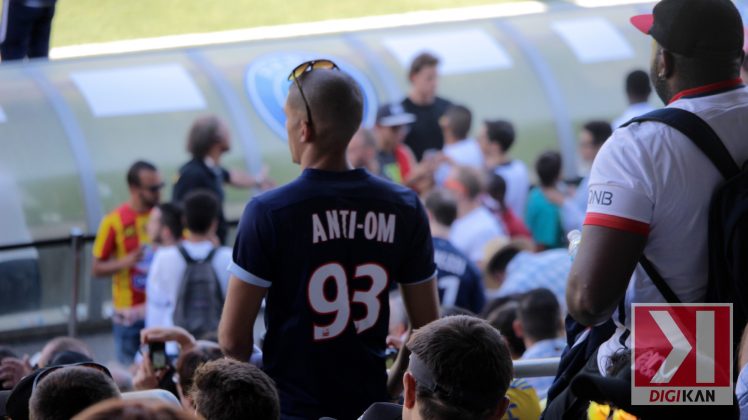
x=121, y=232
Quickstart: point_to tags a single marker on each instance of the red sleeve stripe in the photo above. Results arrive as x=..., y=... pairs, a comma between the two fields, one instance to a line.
x=618, y=223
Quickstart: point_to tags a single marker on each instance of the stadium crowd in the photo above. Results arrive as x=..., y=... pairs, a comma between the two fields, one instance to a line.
x=409, y=264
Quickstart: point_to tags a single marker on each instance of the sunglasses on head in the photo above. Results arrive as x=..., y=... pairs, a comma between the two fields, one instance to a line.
x=304, y=68
x=46, y=371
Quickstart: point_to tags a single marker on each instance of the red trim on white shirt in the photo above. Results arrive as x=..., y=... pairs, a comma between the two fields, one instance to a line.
x=725, y=84
x=616, y=222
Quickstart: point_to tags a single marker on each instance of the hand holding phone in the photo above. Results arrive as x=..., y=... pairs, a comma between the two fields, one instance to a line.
x=157, y=354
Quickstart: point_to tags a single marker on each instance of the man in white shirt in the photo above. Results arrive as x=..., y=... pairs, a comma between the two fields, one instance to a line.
x=168, y=266
x=495, y=139
x=475, y=225
x=459, y=150
x=638, y=90
x=651, y=185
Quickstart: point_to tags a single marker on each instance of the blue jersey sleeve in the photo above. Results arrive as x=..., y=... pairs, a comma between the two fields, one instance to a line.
x=419, y=266
x=478, y=292
x=254, y=247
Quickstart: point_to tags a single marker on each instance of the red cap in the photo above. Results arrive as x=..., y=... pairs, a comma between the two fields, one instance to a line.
x=643, y=22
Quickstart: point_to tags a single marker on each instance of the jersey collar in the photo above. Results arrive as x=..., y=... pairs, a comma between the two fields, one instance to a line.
x=710, y=89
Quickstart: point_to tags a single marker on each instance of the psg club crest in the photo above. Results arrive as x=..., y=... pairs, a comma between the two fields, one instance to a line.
x=267, y=84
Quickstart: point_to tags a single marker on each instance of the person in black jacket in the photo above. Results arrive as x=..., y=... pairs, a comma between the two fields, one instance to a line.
x=208, y=140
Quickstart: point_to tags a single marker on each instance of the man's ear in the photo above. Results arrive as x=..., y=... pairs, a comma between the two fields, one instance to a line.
x=517, y=327
x=500, y=409
x=667, y=64
x=409, y=391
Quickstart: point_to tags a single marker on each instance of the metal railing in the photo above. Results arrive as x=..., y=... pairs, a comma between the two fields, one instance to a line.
x=534, y=368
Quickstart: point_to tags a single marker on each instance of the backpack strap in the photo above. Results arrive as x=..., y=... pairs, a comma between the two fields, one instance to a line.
x=699, y=132
x=658, y=281
x=185, y=254
x=190, y=260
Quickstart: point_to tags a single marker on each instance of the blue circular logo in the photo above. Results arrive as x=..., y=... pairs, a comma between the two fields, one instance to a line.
x=267, y=84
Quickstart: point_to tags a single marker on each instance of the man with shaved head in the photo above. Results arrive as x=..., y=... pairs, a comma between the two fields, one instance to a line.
x=324, y=250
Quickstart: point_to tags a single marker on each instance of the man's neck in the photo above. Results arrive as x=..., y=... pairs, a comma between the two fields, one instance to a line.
x=419, y=99
x=466, y=207
x=449, y=138
x=196, y=237
x=495, y=160
x=327, y=161
x=136, y=205
x=439, y=231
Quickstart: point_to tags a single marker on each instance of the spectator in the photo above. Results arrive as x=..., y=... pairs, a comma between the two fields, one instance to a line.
x=138, y=409
x=7, y=369
x=543, y=214
x=662, y=183
x=513, y=269
x=208, y=140
x=475, y=225
x=502, y=318
x=458, y=148
x=539, y=324
x=591, y=139
x=496, y=139
x=201, y=214
x=395, y=160
x=227, y=389
x=460, y=282
x=459, y=368
x=638, y=90
x=165, y=225
x=188, y=363
x=495, y=202
x=310, y=219
x=148, y=376
x=26, y=27
x=422, y=102
x=13, y=368
x=362, y=151
x=118, y=252
x=66, y=391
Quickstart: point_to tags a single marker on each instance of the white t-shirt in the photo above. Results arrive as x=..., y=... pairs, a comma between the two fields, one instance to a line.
x=517, y=185
x=632, y=111
x=465, y=152
x=651, y=179
x=471, y=232
x=165, y=277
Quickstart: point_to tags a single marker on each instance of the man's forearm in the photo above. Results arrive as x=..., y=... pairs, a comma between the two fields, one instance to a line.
x=109, y=267
x=395, y=377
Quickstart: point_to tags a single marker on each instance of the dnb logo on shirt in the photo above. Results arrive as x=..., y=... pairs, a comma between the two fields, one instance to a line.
x=682, y=354
x=267, y=84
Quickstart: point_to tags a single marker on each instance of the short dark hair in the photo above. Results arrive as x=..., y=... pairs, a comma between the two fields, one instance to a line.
x=201, y=208
x=204, y=133
x=335, y=101
x=229, y=389
x=540, y=314
x=548, y=168
x=466, y=356
x=638, y=85
x=600, y=131
x=422, y=61
x=502, y=318
x=442, y=205
x=133, y=174
x=501, y=259
x=171, y=218
x=497, y=188
x=188, y=362
x=68, y=391
x=500, y=132
x=460, y=119
x=135, y=409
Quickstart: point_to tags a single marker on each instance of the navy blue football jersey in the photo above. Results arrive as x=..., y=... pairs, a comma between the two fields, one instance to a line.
x=460, y=282
x=327, y=246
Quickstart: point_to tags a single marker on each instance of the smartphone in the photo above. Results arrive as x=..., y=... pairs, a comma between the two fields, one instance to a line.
x=157, y=353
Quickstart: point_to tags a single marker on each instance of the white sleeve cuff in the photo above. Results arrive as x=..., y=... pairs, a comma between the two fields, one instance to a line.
x=247, y=277
x=429, y=278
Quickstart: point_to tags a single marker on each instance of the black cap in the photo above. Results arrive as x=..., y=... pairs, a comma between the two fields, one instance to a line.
x=695, y=28
x=393, y=115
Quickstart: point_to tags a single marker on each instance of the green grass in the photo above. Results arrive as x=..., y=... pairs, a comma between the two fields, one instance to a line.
x=87, y=21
